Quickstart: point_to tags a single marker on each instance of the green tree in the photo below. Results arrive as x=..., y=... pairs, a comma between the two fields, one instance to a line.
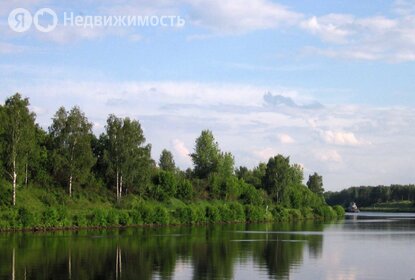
x=278, y=177
x=128, y=160
x=315, y=183
x=71, y=134
x=18, y=137
x=166, y=161
x=206, y=156
x=165, y=185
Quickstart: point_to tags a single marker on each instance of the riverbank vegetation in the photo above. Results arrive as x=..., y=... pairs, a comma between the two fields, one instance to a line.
x=394, y=198
x=69, y=177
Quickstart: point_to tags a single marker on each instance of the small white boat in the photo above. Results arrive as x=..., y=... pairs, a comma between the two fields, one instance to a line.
x=352, y=208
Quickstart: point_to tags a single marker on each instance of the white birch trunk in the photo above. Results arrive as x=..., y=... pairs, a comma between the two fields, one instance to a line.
x=120, y=186
x=14, y=182
x=117, y=186
x=70, y=185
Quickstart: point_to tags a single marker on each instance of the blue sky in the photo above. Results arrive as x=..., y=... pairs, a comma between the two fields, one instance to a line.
x=329, y=83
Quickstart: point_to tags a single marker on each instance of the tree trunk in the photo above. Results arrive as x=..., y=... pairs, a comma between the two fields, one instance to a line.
x=120, y=186
x=117, y=186
x=14, y=182
x=70, y=185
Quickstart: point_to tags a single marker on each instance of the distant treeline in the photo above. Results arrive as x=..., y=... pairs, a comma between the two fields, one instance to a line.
x=366, y=196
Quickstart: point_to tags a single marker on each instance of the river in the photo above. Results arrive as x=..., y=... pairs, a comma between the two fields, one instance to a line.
x=362, y=246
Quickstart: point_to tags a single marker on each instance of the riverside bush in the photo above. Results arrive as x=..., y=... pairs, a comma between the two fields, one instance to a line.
x=325, y=212
x=280, y=213
x=27, y=218
x=124, y=218
x=50, y=217
x=98, y=218
x=255, y=213
x=160, y=216
x=212, y=214
x=339, y=210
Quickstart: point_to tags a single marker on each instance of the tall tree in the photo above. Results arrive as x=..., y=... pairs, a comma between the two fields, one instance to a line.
x=278, y=177
x=73, y=159
x=128, y=159
x=166, y=161
x=315, y=183
x=206, y=156
x=18, y=137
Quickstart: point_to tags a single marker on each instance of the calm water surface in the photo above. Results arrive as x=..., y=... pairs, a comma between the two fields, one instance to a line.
x=363, y=246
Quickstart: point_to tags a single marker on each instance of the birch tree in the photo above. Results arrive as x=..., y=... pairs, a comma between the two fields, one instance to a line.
x=128, y=159
x=72, y=155
x=18, y=137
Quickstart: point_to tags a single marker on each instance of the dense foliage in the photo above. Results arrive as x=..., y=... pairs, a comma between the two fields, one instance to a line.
x=112, y=179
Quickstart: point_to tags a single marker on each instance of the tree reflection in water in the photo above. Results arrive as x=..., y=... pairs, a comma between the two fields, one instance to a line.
x=144, y=253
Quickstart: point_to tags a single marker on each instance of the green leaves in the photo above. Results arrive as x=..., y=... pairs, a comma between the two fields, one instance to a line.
x=72, y=156
x=127, y=160
x=315, y=184
x=206, y=156
x=166, y=161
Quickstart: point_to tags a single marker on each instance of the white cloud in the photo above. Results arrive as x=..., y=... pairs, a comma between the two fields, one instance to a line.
x=285, y=139
x=377, y=37
x=340, y=138
x=181, y=151
x=264, y=154
x=328, y=156
x=225, y=16
x=331, y=28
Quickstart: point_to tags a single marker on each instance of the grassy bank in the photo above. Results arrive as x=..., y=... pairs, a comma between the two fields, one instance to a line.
x=43, y=209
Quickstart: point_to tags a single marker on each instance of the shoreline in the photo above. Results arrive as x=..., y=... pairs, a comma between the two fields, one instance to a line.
x=389, y=210
x=111, y=227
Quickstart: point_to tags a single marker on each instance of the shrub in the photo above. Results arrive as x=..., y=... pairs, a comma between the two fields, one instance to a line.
x=27, y=218
x=161, y=216
x=98, y=218
x=63, y=217
x=80, y=220
x=212, y=214
x=146, y=213
x=112, y=217
x=295, y=215
x=124, y=218
x=136, y=218
x=280, y=213
x=225, y=213
x=199, y=213
x=166, y=185
x=307, y=213
x=238, y=213
x=324, y=212
x=250, y=195
x=184, y=215
x=184, y=190
x=50, y=217
x=339, y=211
x=255, y=213
x=10, y=219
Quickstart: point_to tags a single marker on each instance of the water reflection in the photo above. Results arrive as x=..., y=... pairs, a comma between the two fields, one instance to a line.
x=278, y=251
